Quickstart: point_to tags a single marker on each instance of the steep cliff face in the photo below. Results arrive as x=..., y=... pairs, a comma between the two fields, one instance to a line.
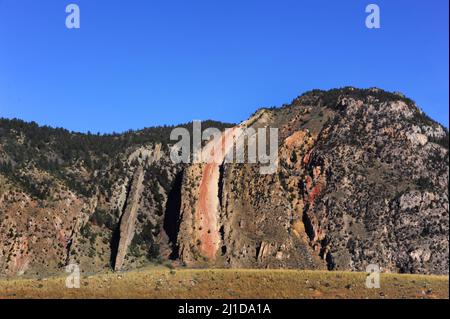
x=259, y=220
x=118, y=225
x=201, y=229
x=361, y=178
x=128, y=218
x=63, y=196
x=129, y=203
x=381, y=168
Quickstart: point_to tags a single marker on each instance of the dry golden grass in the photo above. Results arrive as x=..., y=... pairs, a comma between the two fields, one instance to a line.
x=159, y=282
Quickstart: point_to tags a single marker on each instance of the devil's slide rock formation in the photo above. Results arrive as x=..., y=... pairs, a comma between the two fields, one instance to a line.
x=361, y=178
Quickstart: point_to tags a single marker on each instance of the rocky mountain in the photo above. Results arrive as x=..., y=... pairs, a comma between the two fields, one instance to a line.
x=361, y=178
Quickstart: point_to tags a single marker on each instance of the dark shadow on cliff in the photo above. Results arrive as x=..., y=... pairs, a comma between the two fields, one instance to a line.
x=114, y=244
x=172, y=214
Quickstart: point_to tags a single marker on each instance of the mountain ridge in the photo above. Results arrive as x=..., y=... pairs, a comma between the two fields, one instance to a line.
x=353, y=164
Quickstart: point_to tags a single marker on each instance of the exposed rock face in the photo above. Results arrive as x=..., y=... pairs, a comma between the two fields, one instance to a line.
x=259, y=224
x=201, y=207
x=382, y=197
x=42, y=235
x=362, y=178
x=128, y=219
x=132, y=195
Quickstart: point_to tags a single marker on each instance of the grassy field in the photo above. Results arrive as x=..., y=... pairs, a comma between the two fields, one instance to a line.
x=160, y=282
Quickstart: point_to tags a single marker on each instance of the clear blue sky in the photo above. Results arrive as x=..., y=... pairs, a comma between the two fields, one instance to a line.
x=140, y=63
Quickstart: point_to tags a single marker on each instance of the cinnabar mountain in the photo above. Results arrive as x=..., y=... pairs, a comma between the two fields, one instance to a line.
x=362, y=178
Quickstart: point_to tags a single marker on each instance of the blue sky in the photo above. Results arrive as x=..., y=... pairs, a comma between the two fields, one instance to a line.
x=140, y=63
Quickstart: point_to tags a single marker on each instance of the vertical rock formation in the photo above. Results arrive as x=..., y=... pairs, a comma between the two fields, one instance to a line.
x=202, y=229
x=362, y=178
x=208, y=208
x=201, y=210
x=128, y=219
x=203, y=206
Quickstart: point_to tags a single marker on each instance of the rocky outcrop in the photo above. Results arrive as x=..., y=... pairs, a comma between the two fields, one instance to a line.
x=361, y=178
x=128, y=218
x=202, y=191
x=252, y=223
x=130, y=201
